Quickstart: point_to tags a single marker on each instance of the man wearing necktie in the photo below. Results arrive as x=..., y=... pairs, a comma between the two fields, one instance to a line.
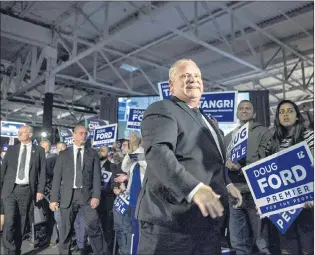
x=23, y=178
x=78, y=179
x=185, y=188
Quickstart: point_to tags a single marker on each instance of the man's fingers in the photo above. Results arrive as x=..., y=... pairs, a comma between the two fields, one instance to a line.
x=203, y=210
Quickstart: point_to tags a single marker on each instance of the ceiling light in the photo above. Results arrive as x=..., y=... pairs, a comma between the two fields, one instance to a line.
x=128, y=68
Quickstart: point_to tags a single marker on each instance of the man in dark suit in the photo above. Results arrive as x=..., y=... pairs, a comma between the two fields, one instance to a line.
x=78, y=179
x=23, y=178
x=185, y=179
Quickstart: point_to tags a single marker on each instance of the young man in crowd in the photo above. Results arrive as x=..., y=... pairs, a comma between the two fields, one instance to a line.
x=244, y=220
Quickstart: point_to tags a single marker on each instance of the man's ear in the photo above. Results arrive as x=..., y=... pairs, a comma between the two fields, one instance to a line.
x=170, y=83
x=254, y=116
x=30, y=135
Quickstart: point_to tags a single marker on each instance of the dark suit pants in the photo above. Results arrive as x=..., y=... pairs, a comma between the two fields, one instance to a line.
x=105, y=211
x=93, y=225
x=158, y=240
x=16, y=209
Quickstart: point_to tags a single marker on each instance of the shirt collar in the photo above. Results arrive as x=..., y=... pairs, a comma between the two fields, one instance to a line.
x=76, y=147
x=27, y=145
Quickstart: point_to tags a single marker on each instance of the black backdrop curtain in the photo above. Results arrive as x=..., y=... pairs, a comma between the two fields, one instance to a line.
x=108, y=109
x=260, y=100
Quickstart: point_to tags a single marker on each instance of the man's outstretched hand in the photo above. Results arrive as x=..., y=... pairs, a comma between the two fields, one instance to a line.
x=208, y=202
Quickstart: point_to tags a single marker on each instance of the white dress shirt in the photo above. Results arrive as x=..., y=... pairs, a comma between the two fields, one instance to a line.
x=215, y=137
x=75, y=151
x=25, y=180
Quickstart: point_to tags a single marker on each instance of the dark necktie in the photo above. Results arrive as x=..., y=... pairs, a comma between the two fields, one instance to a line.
x=21, y=173
x=199, y=116
x=78, y=170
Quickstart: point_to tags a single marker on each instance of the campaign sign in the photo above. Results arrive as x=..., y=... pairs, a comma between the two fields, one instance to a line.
x=65, y=135
x=283, y=181
x=121, y=203
x=105, y=135
x=105, y=177
x=10, y=128
x=164, y=90
x=284, y=220
x=237, y=148
x=134, y=118
x=220, y=105
x=122, y=111
x=92, y=124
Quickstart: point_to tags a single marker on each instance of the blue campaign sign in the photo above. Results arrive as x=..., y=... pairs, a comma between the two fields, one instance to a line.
x=92, y=124
x=283, y=181
x=134, y=118
x=105, y=135
x=164, y=90
x=237, y=148
x=284, y=220
x=121, y=203
x=65, y=135
x=221, y=105
x=10, y=128
x=122, y=111
x=105, y=177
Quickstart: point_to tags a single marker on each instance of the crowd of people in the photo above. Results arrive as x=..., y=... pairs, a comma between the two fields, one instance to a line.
x=187, y=201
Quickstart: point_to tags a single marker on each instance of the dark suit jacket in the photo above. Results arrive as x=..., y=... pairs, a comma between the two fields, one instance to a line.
x=37, y=173
x=64, y=173
x=50, y=165
x=180, y=152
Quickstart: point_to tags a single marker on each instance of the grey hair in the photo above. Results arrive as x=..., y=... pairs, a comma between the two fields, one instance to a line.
x=173, y=69
x=30, y=129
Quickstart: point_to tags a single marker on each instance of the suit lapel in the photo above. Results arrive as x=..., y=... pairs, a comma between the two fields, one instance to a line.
x=16, y=162
x=33, y=153
x=70, y=152
x=184, y=106
x=202, y=126
x=85, y=155
x=222, y=147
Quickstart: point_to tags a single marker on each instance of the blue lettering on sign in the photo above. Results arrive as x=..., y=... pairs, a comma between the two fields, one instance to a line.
x=284, y=220
x=121, y=203
x=283, y=181
x=164, y=90
x=105, y=178
x=220, y=105
x=134, y=118
x=237, y=148
x=105, y=135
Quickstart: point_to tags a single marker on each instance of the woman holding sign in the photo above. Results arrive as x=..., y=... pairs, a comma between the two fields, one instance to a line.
x=289, y=130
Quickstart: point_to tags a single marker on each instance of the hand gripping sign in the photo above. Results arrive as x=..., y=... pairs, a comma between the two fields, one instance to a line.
x=237, y=148
x=283, y=181
x=105, y=135
x=135, y=117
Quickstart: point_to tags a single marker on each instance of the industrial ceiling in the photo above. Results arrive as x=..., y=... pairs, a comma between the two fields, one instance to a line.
x=77, y=50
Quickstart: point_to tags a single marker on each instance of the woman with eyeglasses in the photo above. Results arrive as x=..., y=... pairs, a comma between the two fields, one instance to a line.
x=289, y=129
